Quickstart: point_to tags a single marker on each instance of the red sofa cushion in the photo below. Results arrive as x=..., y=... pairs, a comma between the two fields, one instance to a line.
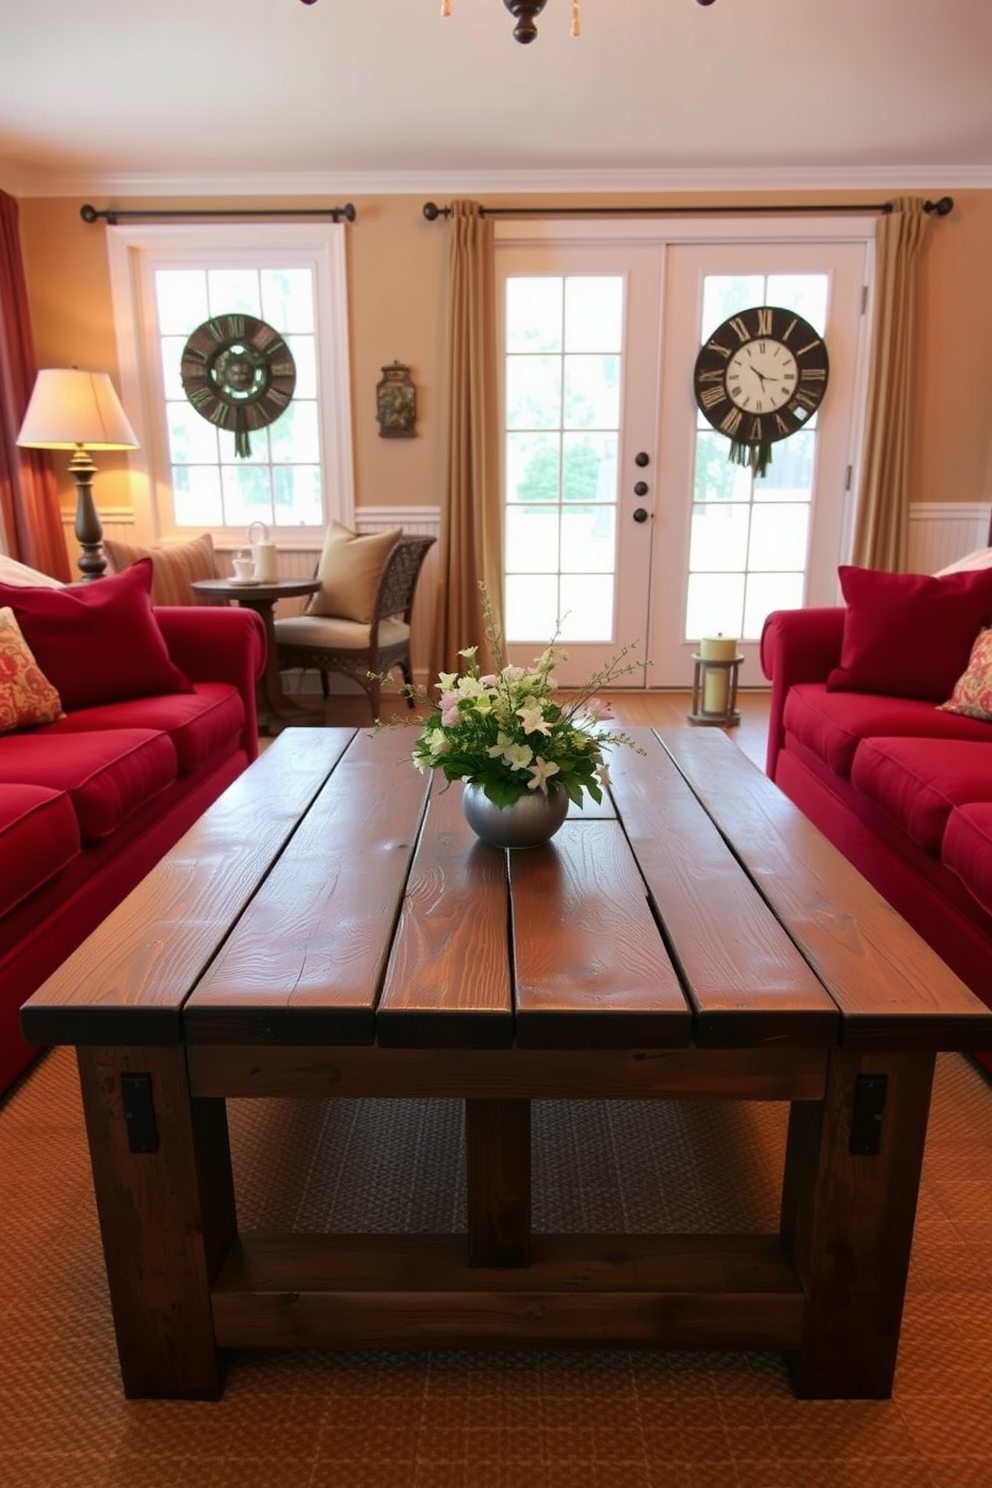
x=967, y=849
x=106, y=775
x=832, y=724
x=917, y=782
x=909, y=635
x=39, y=835
x=201, y=724
x=99, y=643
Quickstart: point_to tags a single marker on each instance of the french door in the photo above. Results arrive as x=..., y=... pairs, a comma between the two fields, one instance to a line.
x=624, y=520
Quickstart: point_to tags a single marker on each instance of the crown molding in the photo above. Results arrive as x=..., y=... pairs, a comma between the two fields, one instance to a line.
x=21, y=181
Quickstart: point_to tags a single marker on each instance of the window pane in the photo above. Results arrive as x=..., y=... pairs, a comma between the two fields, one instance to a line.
x=725, y=294
x=295, y=436
x=594, y=314
x=531, y=608
x=296, y=491
x=181, y=300
x=592, y=392
x=718, y=538
x=196, y=496
x=534, y=314
x=778, y=537
x=590, y=467
x=287, y=299
x=191, y=439
x=804, y=293
x=304, y=349
x=532, y=467
x=586, y=608
x=588, y=539
x=717, y=477
x=533, y=392
x=790, y=474
x=767, y=592
x=231, y=290
x=715, y=605
x=532, y=536
x=247, y=494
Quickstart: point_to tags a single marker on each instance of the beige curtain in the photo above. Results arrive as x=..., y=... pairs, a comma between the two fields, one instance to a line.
x=470, y=547
x=881, y=536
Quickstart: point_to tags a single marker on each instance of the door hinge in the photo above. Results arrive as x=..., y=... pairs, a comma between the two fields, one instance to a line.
x=847, y=479
x=864, y=298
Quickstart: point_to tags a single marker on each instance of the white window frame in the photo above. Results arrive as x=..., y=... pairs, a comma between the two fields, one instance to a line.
x=134, y=253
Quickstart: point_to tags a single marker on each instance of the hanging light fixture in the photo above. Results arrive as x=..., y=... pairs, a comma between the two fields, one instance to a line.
x=525, y=13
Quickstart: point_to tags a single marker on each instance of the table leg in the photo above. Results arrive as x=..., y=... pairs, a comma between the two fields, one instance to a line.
x=847, y=1219
x=166, y=1212
x=275, y=708
x=497, y=1146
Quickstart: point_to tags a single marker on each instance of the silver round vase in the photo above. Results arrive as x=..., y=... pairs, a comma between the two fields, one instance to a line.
x=529, y=822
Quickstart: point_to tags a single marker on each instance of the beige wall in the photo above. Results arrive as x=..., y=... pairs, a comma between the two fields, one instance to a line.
x=396, y=275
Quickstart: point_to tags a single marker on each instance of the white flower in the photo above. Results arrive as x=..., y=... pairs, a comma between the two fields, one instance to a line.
x=519, y=756
x=533, y=719
x=541, y=770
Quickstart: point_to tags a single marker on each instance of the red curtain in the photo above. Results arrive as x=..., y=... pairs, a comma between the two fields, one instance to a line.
x=29, y=500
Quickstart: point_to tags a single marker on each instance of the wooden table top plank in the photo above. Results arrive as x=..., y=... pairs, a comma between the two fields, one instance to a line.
x=746, y=979
x=893, y=991
x=448, y=979
x=126, y=984
x=590, y=967
x=306, y=961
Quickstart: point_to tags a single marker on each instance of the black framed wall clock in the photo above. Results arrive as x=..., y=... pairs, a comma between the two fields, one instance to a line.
x=760, y=377
x=239, y=374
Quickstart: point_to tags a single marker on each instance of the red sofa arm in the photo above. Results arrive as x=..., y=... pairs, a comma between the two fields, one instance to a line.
x=218, y=644
x=797, y=646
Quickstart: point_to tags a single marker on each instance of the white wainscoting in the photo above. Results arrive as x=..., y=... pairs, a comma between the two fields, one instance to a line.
x=939, y=533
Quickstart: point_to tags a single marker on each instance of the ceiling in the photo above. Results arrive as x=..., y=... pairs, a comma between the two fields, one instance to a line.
x=222, y=96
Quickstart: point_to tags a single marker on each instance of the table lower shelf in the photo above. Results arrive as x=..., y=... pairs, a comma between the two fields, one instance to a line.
x=419, y=1291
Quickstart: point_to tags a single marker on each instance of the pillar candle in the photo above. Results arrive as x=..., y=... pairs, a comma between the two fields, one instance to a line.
x=716, y=683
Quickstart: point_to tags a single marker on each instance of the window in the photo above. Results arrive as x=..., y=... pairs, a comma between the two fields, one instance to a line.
x=169, y=280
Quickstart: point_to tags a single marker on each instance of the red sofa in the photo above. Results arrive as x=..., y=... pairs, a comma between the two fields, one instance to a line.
x=859, y=740
x=159, y=717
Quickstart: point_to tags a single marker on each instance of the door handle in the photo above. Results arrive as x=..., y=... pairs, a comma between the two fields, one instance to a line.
x=641, y=488
x=640, y=514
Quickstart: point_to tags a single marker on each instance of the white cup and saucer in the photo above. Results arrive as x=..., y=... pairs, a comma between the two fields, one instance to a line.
x=243, y=565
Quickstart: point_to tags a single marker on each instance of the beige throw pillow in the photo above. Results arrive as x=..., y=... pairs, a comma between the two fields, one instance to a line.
x=349, y=571
x=27, y=697
x=173, y=568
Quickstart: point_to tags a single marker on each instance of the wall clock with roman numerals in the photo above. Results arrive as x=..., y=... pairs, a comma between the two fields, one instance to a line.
x=760, y=377
x=239, y=374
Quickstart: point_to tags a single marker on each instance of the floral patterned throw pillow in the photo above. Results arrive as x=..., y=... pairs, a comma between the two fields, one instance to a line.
x=972, y=693
x=26, y=695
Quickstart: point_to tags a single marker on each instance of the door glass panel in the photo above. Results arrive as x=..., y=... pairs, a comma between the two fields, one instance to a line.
x=749, y=535
x=562, y=376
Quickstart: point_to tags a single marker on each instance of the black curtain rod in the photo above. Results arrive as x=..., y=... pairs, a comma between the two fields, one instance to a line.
x=432, y=211
x=112, y=216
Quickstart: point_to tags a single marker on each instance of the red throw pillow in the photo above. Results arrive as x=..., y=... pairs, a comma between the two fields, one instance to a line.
x=97, y=643
x=909, y=635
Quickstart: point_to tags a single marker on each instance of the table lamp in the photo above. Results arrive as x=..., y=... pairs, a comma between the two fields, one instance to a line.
x=78, y=411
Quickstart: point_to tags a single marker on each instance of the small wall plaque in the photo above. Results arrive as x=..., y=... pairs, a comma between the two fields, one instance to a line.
x=396, y=403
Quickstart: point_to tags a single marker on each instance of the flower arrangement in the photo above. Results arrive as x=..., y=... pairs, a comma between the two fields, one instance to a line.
x=506, y=731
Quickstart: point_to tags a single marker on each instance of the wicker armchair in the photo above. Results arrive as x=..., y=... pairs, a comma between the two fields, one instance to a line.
x=363, y=652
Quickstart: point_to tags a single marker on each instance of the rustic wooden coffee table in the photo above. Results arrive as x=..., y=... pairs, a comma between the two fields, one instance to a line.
x=331, y=928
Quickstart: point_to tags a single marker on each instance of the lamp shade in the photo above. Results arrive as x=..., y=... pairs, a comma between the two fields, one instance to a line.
x=69, y=408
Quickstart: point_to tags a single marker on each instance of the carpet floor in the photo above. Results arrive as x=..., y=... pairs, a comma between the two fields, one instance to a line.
x=549, y=1419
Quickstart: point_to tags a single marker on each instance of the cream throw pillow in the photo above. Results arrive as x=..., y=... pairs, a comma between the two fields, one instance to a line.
x=349, y=571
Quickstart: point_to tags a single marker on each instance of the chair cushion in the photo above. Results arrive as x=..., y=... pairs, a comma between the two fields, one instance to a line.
x=909, y=635
x=917, y=782
x=201, y=724
x=967, y=849
x=107, y=776
x=324, y=634
x=97, y=643
x=26, y=695
x=39, y=835
x=349, y=571
x=832, y=724
x=173, y=568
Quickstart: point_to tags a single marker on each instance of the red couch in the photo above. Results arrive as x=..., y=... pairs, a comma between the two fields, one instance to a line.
x=859, y=740
x=159, y=717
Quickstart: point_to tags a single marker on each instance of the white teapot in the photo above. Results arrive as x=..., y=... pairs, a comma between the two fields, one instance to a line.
x=265, y=554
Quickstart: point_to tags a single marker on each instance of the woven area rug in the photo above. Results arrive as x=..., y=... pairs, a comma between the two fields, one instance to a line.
x=606, y=1419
